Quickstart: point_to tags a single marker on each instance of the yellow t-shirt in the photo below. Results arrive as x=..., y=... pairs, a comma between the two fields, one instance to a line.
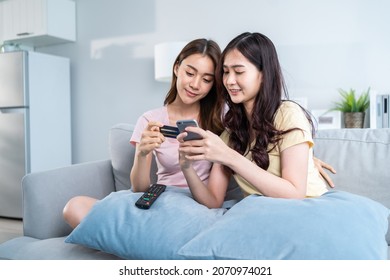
x=289, y=115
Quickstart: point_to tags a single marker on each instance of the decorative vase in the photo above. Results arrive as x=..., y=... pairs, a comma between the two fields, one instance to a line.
x=354, y=119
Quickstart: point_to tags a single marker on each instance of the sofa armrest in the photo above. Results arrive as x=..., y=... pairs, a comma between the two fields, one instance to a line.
x=46, y=193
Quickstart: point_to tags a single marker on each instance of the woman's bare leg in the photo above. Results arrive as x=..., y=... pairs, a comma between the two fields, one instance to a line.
x=77, y=208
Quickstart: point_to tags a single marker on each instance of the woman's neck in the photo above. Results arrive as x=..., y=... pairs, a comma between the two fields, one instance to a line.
x=248, y=106
x=180, y=111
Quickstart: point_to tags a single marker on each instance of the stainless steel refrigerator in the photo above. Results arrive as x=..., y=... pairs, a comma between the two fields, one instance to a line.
x=35, y=132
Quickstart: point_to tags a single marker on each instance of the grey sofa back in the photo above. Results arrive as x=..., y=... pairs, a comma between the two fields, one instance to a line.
x=122, y=156
x=361, y=158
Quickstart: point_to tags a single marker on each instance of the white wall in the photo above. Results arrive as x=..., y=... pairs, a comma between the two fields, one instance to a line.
x=323, y=45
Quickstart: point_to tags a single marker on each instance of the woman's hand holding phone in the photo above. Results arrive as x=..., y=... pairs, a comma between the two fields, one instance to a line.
x=183, y=124
x=210, y=147
x=185, y=138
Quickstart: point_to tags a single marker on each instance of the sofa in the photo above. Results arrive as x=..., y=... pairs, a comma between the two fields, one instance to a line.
x=358, y=155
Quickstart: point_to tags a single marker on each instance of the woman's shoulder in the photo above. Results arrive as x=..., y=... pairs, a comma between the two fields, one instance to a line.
x=288, y=105
x=158, y=110
x=288, y=108
x=289, y=114
x=156, y=114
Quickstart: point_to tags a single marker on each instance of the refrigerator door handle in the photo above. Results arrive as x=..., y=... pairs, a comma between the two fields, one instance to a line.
x=12, y=110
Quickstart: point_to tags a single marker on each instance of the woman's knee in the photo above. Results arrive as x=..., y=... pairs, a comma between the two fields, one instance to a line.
x=77, y=208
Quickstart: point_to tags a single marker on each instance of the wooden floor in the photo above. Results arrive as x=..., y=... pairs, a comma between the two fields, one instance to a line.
x=10, y=228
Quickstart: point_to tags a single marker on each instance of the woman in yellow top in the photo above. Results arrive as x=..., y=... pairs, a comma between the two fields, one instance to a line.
x=267, y=144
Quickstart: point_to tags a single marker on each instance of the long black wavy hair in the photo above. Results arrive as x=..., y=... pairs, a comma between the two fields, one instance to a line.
x=261, y=52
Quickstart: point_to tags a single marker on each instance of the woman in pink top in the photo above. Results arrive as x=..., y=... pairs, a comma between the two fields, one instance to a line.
x=192, y=96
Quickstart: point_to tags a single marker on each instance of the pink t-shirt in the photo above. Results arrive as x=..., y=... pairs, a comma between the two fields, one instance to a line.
x=167, y=156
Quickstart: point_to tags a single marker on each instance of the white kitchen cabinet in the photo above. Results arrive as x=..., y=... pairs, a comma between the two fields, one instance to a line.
x=38, y=22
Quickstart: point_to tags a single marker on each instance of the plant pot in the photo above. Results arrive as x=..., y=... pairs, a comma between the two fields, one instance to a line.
x=354, y=119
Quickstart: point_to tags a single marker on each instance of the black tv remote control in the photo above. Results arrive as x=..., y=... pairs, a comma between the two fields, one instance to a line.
x=150, y=196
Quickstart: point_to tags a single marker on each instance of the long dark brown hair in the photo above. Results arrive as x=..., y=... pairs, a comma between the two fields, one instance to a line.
x=210, y=116
x=261, y=52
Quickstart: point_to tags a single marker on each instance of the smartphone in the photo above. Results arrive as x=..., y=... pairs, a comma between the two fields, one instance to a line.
x=182, y=124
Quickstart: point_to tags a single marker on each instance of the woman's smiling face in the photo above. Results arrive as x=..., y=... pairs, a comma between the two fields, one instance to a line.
x=195, y=78
x=241, y=78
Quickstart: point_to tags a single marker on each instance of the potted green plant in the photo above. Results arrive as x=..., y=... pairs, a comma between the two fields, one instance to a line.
x=353, y=107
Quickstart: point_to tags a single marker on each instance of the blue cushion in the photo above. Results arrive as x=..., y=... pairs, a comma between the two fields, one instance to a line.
x=115, y=225
x=337, y=225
